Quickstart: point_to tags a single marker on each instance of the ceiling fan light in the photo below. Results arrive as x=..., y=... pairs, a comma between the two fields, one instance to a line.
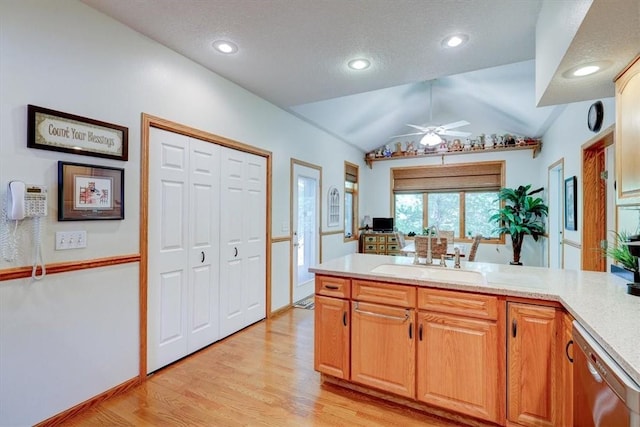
x=431, y=139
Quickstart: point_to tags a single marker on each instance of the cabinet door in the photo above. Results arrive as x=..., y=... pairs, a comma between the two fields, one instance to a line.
x=533, y=365
x=628, y=134
x=461, y=365
x=331, y=354
x=567, y=349
x=383, y=347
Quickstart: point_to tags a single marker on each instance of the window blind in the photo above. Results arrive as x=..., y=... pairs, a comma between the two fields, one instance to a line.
x=482, y=176
x=350, y=173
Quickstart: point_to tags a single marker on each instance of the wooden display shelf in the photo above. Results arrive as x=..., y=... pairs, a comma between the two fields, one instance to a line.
x=537, y=147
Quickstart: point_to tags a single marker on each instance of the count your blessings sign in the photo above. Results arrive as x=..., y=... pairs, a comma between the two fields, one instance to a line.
x=57, y=131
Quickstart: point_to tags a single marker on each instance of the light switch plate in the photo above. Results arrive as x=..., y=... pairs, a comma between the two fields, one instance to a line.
x=71, y=240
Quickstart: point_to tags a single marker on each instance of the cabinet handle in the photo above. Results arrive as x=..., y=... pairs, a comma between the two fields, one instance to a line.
x=514, y=327
x=332, y=287
x=566, y=351
x=384, y=316
x=202, y=255
x=344, y=318
x=236, y=253
x=411, y=330
x=420, y=332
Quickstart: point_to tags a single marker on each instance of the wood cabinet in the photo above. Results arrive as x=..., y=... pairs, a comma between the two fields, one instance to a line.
x=380, y=243
x=382, y=336
x=461, y=353
x=383, y=347
x=332, y=344
x=567, y=348
x=533, y=360
x=628, y=134
x=332, y=340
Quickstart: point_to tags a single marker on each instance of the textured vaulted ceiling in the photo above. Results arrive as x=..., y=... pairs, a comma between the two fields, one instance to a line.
x=294, y=54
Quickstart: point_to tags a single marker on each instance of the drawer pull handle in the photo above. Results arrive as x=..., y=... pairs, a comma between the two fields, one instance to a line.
x=344, y=318
x=514, y=328
x=332, y=287
x=411, y=330
x=384, y=316
x=420, y=332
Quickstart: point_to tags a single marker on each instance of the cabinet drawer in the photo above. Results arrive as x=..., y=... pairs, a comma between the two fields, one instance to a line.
x=371, y=248
x=382, y=248
x=337, y=287
x=370, y=239
x=392, y=239
x=393, y=247
x=460, y=303
x=383, y=293
x=382, y=239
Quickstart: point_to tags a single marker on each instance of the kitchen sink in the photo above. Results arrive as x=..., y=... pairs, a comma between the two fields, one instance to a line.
x=438, y=274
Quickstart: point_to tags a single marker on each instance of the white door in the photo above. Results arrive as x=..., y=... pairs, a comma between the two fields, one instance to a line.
x=182, y=247
x=306, y=228
x=242, y=240
x=556, y=216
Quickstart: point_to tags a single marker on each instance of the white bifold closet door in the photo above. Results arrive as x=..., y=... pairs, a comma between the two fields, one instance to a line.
x=183, y=246
x=242, y=240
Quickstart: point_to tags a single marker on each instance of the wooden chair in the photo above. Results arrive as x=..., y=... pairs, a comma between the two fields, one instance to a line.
x=474, y=247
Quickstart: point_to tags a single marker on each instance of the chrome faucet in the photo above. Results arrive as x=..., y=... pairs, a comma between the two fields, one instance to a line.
x=456, y=258
x=428, y=230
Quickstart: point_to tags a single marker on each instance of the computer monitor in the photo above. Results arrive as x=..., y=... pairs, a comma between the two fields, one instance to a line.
x=383, y=224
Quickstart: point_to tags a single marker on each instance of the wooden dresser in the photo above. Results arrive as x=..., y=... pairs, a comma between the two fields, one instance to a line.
x=380, y=243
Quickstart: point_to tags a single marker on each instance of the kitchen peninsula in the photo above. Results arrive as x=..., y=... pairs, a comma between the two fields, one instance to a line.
x=434, y=338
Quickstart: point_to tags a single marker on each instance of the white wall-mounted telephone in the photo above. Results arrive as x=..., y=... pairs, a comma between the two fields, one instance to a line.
x=26, y=201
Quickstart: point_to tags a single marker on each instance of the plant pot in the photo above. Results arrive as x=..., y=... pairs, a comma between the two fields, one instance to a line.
x=515, y=263
x=633, y=289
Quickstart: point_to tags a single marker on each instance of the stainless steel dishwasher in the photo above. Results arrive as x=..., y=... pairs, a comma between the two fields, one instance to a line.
x=603, y=394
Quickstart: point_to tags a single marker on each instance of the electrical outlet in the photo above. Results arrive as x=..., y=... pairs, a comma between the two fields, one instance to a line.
x=71, y=240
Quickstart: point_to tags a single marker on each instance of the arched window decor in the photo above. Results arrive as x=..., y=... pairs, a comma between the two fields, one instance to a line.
x=333, y=203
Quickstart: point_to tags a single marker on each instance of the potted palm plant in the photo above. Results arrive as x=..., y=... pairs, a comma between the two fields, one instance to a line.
x=520, y=214
x=625, y=257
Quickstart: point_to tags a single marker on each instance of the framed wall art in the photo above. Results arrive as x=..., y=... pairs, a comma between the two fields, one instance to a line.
x=333, y=202
x=53, y=130
x=89, y=192
x=570, y=204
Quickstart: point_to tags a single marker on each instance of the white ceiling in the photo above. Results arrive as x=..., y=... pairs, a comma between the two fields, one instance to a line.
x=294, y=54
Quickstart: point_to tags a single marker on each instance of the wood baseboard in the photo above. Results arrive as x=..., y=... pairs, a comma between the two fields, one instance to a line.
x=440, y=413
x=71, y=412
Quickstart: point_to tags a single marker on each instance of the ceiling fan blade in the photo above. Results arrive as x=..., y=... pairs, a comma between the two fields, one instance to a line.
x=454, y=133
x=455, y=125
x=406, y=134
x=421, y=128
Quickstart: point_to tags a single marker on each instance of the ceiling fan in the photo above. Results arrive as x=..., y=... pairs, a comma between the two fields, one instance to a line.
x=432, y=135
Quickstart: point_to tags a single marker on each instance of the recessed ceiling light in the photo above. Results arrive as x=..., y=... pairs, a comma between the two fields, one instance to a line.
x=359, y=64
x=224, y=46
x=583, y=70
x=455, y=40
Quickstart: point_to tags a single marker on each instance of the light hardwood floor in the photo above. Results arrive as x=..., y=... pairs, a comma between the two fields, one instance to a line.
x=261, y=376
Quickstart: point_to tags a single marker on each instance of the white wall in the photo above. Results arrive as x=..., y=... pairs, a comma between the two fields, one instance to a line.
x=74, y=335
x=521, y=169
x=564, y=139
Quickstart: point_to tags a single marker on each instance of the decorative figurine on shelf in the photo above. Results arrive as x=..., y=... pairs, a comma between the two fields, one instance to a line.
x=443, y=147
x=467, y=145
x=456, y=145
x=520, y=141
x=411, y=150
x=490, y=141
x=398, y=151
x=379, y=152
x=387, y=151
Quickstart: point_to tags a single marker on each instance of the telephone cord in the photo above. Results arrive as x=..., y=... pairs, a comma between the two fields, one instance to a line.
x=37, y=254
